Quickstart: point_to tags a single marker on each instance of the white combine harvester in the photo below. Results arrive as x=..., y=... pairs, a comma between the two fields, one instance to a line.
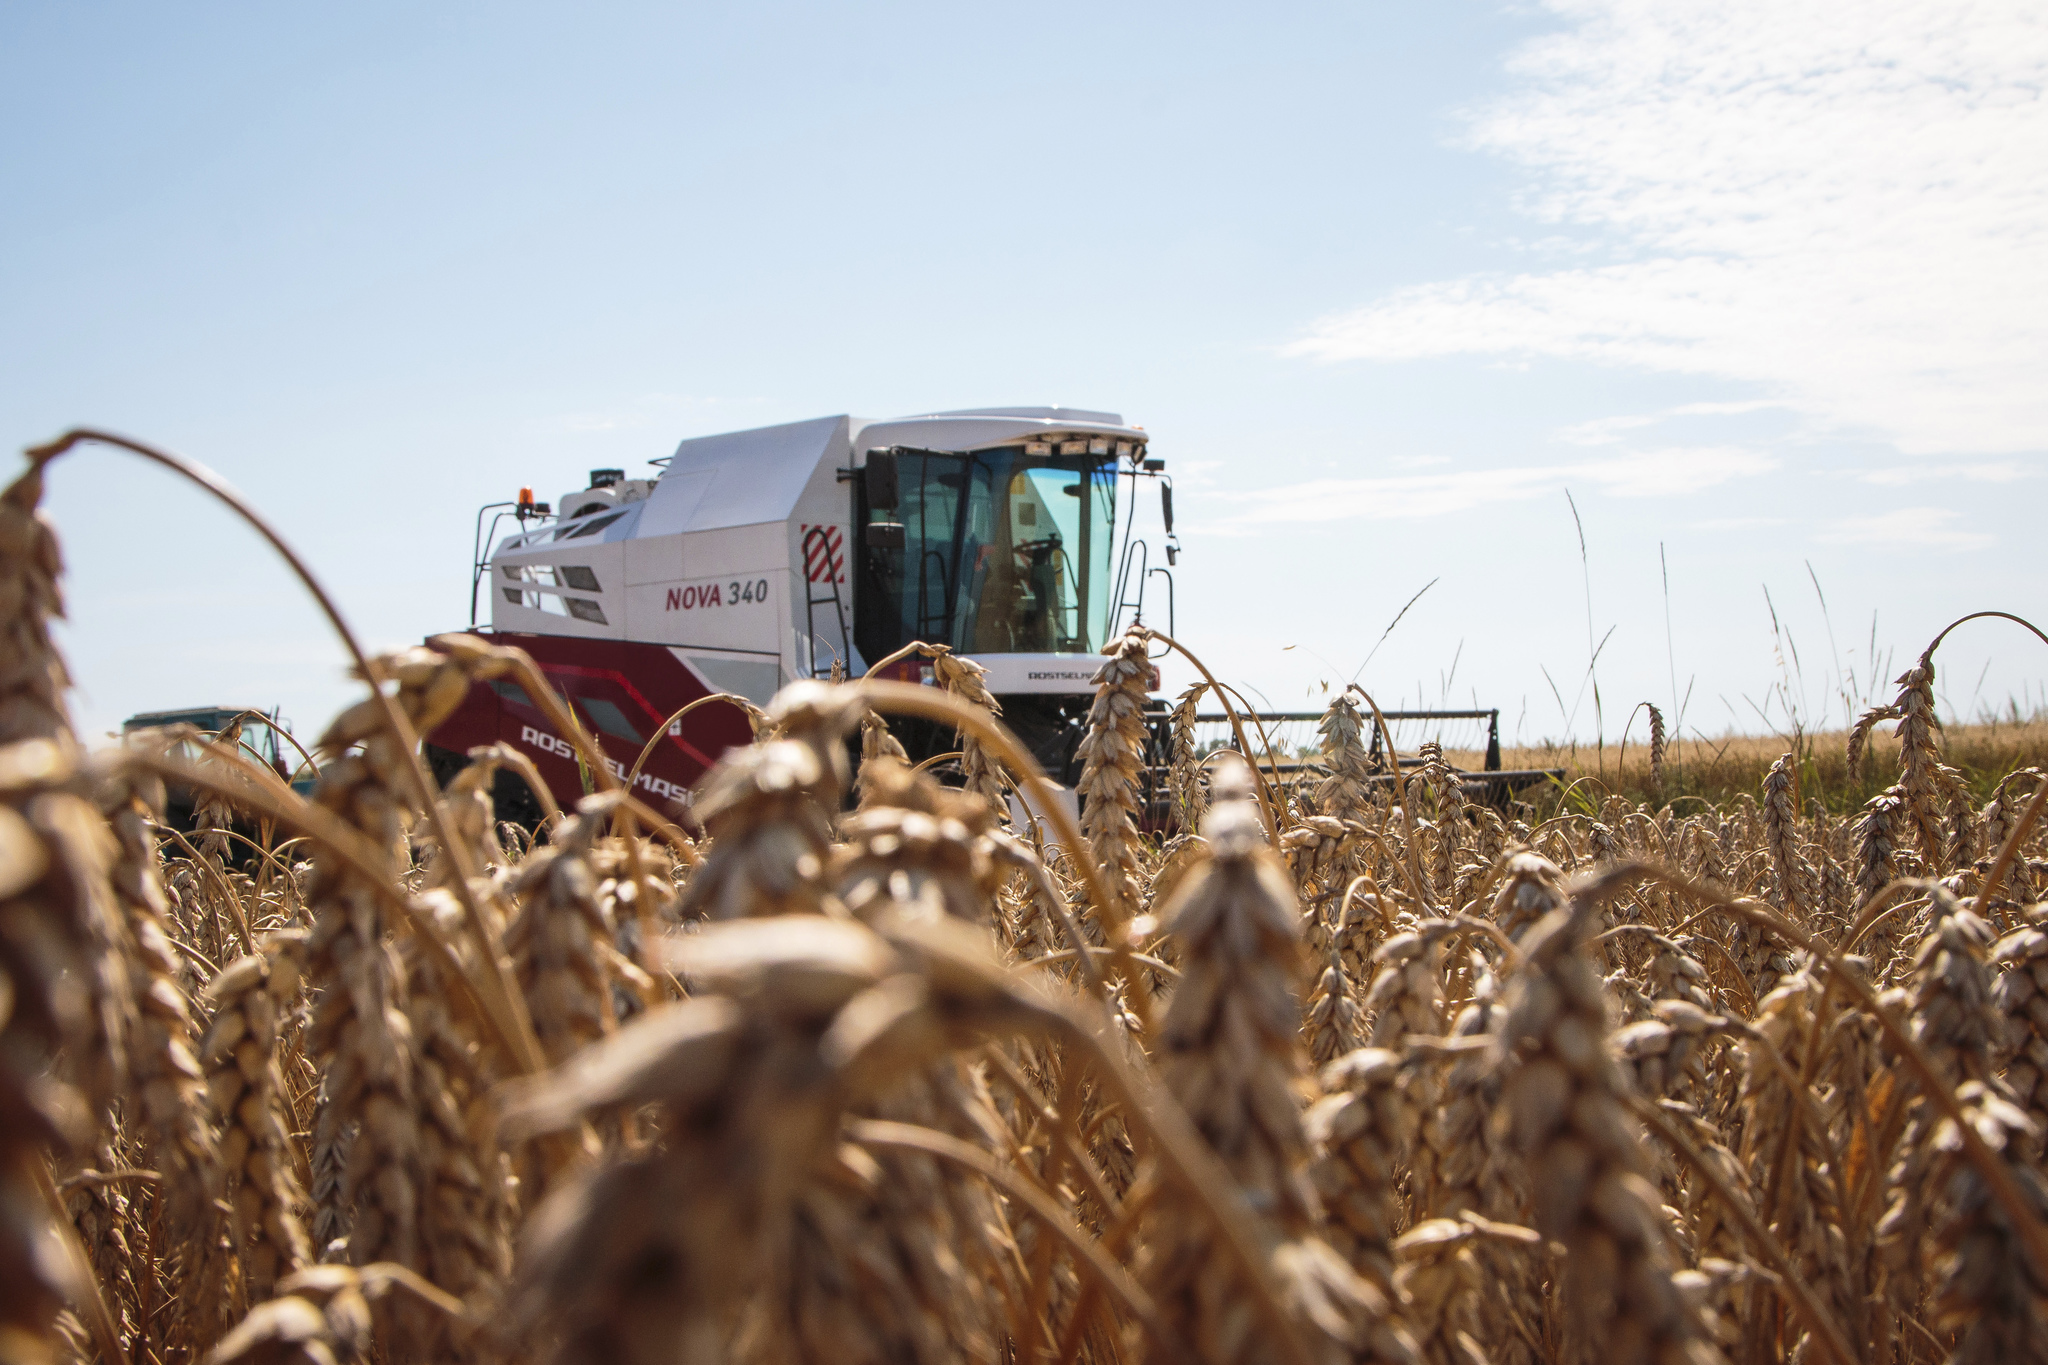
x=758, y=557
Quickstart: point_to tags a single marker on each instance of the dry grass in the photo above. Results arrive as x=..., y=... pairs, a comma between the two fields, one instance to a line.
x=1712, y=772
x=1737, y=1077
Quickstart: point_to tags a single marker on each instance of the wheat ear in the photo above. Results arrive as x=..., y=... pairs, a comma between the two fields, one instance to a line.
x=1112, y=752
x=252, y=999
x=967, y=680
x=56, y=920
x=1228, y=1048
x=1566, y=1107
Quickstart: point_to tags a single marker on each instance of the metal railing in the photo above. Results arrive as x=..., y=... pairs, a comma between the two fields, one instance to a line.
x=1266, y=721
x=1491, y=784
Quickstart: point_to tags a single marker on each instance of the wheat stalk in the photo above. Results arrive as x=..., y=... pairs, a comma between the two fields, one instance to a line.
x=878, y=749
x=1781, y=836
x=1987, y=1289
x=1363, y=1131
x=1184, y=770
x=1657, y=753
x=1332, y=1024
x=768, y=809
x=1111, y=754
x=327, y=1314
x=2021, y=998
x=1952, y=1019
x=1228, y=1049
x=412, y=1188
x=1922, y=775
x=61, y=971
x=558, y=936
x=1565, y=1101
x=966, y=679
x=33, y=678
x=1997, y=822
x=251, y=1000
x=165, y=1085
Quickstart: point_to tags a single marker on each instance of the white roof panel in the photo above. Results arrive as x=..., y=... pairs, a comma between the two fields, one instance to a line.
x=1052, y=414
x=990, y=427
x=744, y=478
x=738, y=478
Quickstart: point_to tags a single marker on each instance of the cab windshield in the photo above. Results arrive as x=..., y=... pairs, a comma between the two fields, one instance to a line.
x=1004, y=553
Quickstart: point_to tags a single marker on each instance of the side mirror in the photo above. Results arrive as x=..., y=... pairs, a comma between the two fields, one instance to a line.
x=1166, y=505
x=885, y=535
x=880, y=475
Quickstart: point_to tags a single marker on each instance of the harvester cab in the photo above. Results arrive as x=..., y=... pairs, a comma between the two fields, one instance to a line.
x=261, y=736
x=758, y=557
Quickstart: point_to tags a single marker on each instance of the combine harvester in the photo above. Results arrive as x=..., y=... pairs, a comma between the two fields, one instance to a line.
x=759, y=557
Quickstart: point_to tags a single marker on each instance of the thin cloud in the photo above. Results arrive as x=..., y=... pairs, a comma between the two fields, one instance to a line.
x=1997, y=471
x=1739, y=523
x=1661, y=473
x=1929, y=527
x=1839, y=202
x=1603, y=431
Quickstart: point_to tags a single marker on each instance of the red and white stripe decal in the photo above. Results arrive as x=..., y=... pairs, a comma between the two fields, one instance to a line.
x=824, y=553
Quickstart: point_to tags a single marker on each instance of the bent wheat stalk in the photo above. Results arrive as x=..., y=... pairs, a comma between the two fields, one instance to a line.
x=1996, y=1174
x=1798, y=1294
x=412, y=768
x=212, y=483
x=910, y=699
x=504, y=754
x=325, y=831
x=1268, y=807
x=1088, y=1253
x=756, y=718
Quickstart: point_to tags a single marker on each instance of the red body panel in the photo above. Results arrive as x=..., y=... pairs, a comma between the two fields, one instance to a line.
x=621, y=692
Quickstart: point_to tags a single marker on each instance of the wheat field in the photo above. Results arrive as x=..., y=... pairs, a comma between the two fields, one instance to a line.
x=1713, y=770
x=1345, y=1070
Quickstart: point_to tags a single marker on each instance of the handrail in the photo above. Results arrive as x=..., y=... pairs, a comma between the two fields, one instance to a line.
x=1167, y=574
x=924, y=617
x=1072, y=609
x=1140, y=552
x=1490, y=715
x=812, y=599
x=480, y=551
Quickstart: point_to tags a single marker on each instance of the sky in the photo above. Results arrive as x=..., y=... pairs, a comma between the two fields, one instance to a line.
x=1690, y=349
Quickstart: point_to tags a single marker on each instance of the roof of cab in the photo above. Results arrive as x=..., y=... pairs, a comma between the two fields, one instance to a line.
x=743, y=478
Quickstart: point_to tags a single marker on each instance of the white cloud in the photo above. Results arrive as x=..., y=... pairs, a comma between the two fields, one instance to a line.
x=1603, y=431
x=1739, y=523
x=1667, y=473
x=1932, y=527
x=1660, y=473
x=1994, y=471
x=1840, y=201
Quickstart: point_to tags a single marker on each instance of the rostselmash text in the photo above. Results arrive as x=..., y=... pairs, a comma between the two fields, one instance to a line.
x=562, y=748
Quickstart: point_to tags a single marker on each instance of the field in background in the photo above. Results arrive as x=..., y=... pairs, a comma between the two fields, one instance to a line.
x=1700, y=772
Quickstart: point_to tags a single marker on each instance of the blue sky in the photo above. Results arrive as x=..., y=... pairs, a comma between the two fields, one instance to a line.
x=1761, y=285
